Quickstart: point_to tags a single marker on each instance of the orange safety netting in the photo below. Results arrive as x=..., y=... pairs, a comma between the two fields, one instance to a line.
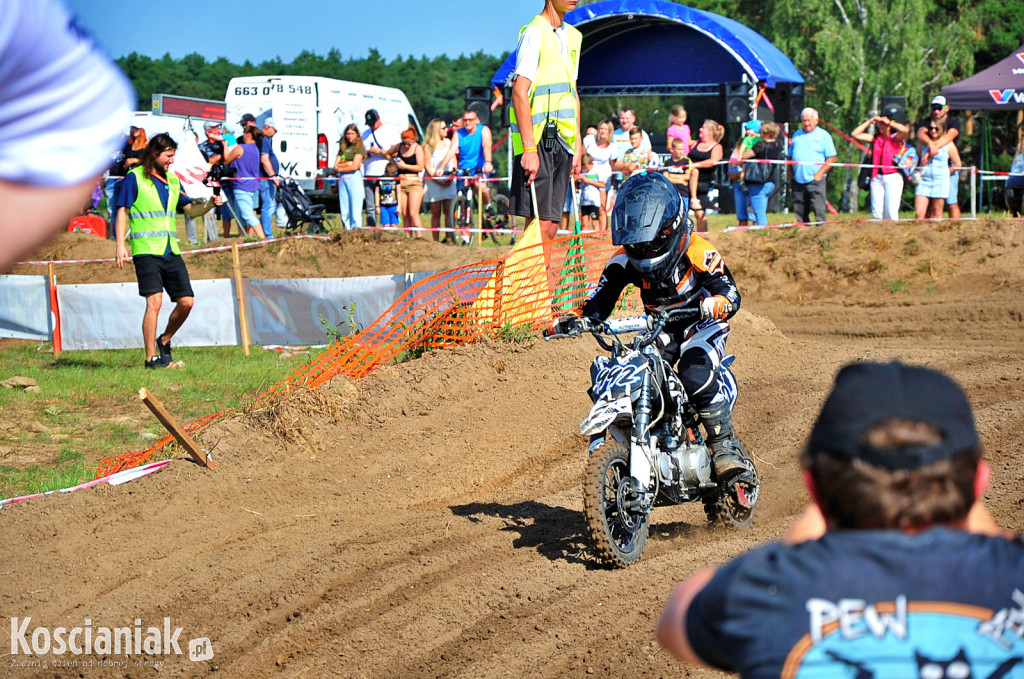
x=447, y=309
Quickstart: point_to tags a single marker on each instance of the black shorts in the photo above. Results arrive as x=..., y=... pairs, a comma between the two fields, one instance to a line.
x=551, y=183
x=156, y=274
x=702, y=196
x=590, y=211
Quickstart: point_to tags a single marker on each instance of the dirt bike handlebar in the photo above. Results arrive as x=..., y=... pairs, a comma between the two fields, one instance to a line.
x=650, y=325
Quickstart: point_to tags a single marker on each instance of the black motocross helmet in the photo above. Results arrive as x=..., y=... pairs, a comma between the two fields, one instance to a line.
x=650, y=222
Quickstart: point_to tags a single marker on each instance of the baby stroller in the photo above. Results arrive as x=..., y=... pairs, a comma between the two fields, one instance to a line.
x=300, y=209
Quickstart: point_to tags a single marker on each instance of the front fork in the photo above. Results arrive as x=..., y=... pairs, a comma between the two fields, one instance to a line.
x=640, y=452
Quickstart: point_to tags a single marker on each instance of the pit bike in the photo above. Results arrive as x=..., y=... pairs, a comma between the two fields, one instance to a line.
x=647, y=449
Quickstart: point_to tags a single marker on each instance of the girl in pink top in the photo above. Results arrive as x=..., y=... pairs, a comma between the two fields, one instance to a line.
x=678, y=129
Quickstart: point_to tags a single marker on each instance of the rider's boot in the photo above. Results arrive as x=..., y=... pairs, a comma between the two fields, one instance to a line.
x=725, y=452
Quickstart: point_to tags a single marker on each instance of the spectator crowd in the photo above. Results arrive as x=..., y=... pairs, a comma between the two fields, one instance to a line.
x=387, y=177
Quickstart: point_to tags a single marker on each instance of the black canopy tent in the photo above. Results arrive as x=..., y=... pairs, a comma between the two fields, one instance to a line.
x=998, y=87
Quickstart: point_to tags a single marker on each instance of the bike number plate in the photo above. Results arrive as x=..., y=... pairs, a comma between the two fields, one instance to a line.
x=632, y=324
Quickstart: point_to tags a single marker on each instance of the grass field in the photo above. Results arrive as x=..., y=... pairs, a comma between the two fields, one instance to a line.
x=88, y=407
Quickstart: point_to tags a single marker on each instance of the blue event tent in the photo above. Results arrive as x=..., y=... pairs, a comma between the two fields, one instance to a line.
x=636, y=47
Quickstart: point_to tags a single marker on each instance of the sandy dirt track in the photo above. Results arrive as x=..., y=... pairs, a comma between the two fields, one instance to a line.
x=427, y=521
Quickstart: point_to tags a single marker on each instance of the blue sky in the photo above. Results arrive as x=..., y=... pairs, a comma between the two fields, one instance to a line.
x=284, y=28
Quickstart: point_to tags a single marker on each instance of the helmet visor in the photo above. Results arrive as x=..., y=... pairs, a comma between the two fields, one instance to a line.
x=650, y=249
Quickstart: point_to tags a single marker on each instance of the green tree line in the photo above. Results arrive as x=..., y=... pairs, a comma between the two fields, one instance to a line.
x=851, y=53
x=435, y=87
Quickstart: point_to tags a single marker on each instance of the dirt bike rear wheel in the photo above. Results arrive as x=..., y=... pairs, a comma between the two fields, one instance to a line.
x=619, y=534
x=460, y=217
x=724, y=507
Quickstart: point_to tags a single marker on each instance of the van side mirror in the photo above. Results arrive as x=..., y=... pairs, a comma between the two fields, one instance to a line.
x=284, y=146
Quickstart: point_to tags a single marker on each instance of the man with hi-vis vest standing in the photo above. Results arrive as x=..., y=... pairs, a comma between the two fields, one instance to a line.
x=547, y=150
x=146, y=215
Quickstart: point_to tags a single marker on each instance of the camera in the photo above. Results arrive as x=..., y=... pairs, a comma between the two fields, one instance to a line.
x=549, y=139
x=217, y=173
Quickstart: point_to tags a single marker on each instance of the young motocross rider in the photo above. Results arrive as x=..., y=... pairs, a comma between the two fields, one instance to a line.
x=673, y=267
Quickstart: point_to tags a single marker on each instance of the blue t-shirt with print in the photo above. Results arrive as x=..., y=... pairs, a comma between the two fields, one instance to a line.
x=388, y=191
x=810, y=147
x=865, y=604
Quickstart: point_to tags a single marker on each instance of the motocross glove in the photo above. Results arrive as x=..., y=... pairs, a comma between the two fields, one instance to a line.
x=564, y=325
x=718, y=306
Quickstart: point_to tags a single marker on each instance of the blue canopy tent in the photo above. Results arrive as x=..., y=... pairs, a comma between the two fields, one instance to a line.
x=638, y=47
x=658, y=47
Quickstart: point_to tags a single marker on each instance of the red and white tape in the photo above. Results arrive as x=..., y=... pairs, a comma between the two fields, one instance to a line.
x=112, y=480
x=219, y=248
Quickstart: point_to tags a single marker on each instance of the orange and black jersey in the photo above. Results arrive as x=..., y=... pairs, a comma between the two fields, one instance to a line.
x=701, y=273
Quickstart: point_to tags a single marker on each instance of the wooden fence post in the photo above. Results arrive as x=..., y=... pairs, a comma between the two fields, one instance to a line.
x=239, y=293
x=51, y=283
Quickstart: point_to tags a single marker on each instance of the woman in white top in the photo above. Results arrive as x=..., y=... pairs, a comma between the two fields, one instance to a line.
x=440, y=190
x=602, y=150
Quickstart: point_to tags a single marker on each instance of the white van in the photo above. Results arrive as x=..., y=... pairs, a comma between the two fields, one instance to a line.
x=311, y=113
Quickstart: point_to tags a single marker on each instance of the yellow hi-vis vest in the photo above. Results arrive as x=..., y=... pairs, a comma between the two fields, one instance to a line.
x=553, y=93
x=150, y=225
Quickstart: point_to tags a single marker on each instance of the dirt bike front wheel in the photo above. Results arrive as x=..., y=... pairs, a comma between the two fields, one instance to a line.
x=618, y=532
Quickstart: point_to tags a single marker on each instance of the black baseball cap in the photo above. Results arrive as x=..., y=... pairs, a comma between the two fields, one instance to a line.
x=372, y=117
x=247, y=118
x=866, y=394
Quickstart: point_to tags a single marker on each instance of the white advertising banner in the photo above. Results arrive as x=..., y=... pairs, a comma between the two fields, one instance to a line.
x=24, y=307
x=109, y=316
x=288, y=310
x=280, y=311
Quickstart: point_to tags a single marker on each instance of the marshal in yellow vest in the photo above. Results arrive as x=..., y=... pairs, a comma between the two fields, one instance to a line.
x=553, y=94
x=150, y=225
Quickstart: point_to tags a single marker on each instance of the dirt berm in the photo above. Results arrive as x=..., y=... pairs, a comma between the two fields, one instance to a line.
x=427, y=521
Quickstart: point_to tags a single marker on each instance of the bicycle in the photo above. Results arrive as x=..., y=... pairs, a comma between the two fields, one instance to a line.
x=460, y=214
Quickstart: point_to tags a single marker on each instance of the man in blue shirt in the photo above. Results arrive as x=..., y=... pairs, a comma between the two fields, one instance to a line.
x=810, y=145
x=895, y=570
x=474, y=150
x=269, y=165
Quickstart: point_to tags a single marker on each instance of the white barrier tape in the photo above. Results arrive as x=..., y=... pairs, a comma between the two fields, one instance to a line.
x=303, y=349
x=431, y=229
x=331, y=179
x=219, y=248
x=959, y=168
x=450, y=177
x=112, y=480
x=999, y=174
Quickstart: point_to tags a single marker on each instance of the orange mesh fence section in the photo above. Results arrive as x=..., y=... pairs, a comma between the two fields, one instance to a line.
x=447, y=309
x=116, y=463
